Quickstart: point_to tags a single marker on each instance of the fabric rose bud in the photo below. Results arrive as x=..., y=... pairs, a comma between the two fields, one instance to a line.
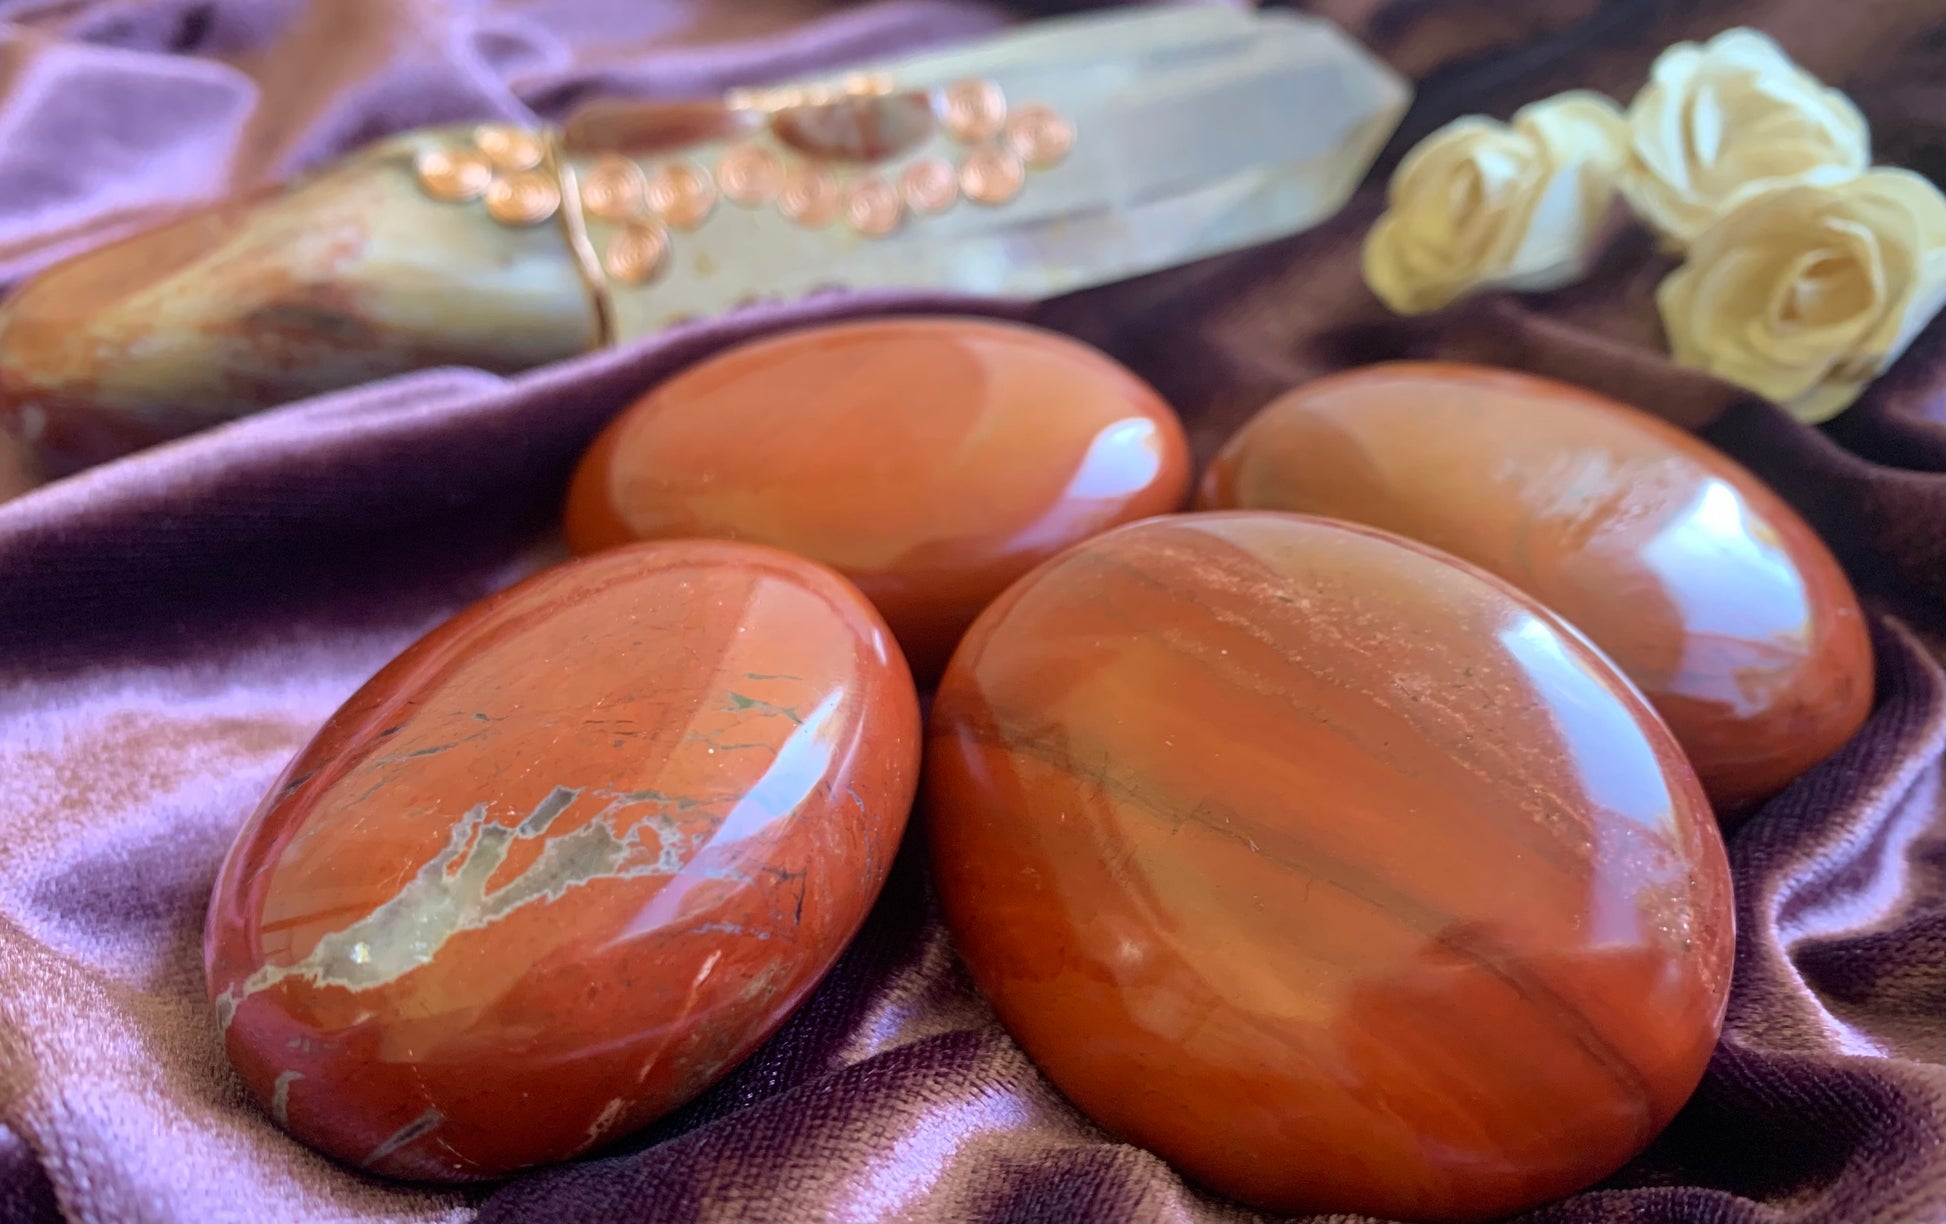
x=1805, y=292
x=1730, y=116
x=1485, y=205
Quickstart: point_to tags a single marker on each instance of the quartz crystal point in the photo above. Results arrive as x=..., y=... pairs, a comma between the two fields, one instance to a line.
x=1062, y=155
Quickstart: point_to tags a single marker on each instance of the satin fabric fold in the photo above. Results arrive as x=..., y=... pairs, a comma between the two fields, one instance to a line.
x=173, y=626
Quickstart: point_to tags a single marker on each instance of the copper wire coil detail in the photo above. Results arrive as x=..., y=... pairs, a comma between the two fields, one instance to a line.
x=874, y=207
x=681, y=194
x=973, y=110
x=991, y=176
x=637, y=254
x=750, y=175
x=615, y=189
x=810, y=196
x=454, y=176
x=929, y=185
x=527, y=198
x=1038, y=136
x=510, y=148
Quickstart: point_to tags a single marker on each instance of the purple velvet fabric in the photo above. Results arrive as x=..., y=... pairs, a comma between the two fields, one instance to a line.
x=174, y=625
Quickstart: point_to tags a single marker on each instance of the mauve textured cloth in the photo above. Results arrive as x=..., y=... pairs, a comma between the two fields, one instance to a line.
x=173, y=627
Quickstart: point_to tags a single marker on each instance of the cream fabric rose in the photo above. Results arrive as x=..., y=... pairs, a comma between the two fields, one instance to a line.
x=1730, y=116
x=1480, y=204
x=1805, y=292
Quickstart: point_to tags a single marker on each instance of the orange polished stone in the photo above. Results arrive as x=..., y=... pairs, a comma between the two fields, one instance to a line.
x=1337, y=873
x=932, y=461
x=566, y=861
x=1707, y=590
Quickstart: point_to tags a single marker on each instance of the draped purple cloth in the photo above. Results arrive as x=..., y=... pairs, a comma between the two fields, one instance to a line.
x=173, y=627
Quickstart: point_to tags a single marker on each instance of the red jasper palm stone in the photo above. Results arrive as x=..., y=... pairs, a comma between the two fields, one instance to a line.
x=566, y=860
x=1697, y=580
x=930, y=461
x=1336, y=872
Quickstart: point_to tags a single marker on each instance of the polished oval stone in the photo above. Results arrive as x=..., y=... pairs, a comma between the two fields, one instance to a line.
x=565, y=861
x=1337, y=873
x=860, y=129
x=1708, y=591
x=932, y=461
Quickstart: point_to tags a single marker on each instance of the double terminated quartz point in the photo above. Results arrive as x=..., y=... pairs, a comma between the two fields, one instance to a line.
x=1073, y=153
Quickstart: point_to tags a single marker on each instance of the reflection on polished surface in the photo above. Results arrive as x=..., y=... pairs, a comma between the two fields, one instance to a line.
x=566, y=860
x=1709, y=591
x=932, y=461
x=1342, y=877
x=1715, y=533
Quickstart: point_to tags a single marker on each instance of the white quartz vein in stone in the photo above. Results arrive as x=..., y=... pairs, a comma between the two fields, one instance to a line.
x=449, y=894
x=280, y=1097
x=604, y=1122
